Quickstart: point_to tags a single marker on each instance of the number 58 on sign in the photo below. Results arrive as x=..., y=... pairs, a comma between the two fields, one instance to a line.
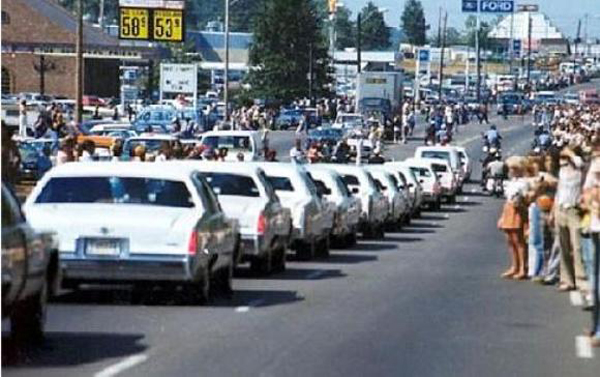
x=133, y=23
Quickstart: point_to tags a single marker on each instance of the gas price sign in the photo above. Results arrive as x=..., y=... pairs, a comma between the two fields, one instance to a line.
x=158, y=20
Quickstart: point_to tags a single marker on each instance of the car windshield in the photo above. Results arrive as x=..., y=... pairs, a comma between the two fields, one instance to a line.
x=421, y=172
x=350, y=180
x=437, y=155
x=116, y=190
x=439, y=168
x=280, y=183
x=232, y=184
x=152, y=145
x=232, y=143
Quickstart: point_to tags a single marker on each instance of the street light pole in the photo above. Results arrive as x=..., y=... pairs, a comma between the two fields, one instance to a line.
x=226, y=70
x=79, y=64
x=358, y=41
x=443, y=45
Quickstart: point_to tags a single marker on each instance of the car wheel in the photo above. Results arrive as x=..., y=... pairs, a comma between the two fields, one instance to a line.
x=225, y=280
x=200, y=292
x=306, y=250
x=323, y=248
x=380, y=232
x=262, y=265
x=280, y=257
x=452, y=199
x=29, y=318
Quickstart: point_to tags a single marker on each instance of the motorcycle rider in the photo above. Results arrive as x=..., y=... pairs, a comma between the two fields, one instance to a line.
x=492, y=137
x=496, y=169
x=492, y=155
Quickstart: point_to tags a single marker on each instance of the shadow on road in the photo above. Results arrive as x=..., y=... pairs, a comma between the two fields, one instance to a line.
x=257, y=298
x=420, y=225
x=291, y=273
x=403, y=239
x=468, y=204
x=430, y=217
x=347, y=258
x=372, y=246
x=62, y=349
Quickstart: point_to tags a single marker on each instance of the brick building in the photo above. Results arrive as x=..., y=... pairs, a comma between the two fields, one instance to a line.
x=38, y=51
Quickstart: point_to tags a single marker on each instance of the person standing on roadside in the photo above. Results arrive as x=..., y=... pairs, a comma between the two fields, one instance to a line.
x=512, y=220
x=23, y=118
x=567, y=215
x=11, y=157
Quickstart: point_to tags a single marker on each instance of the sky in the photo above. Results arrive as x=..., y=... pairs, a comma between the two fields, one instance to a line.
x=562, y=13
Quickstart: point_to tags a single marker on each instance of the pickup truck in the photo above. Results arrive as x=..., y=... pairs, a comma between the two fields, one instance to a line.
x=30, y=272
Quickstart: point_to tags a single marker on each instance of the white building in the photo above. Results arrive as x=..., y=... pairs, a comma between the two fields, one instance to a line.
x=545, y=37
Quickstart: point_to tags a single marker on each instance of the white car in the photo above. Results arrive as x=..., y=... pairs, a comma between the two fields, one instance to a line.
x=246, y=143
x=347, y=206
x=429, y=182
x=373, y=203
x=398, y=206
x=298, y=193
x=136, y=223
x=152, y=142
x=246, y=196
x=448, y=183
x=448, y=153
x=465, y=162
x=408, y=182
x=349, y=121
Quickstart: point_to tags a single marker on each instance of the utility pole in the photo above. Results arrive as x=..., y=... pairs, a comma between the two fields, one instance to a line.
x=358, y=41
x=575, y=51
x=477, y=62
x=79, y=64
x=310, y=72
x=439, y=37
x=226, y=70
x=101, y=15
x=528, y=49
x=42, y=74
x=511, y=48
x=443, y=41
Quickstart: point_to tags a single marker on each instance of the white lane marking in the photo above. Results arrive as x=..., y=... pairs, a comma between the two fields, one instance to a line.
x=446, y=215
x=456, y=207
x=474, y=191
x=466, y=198
x=251, y=304
x=315, y=274
x=122, y=365
x=576, y=298
x=583, y=347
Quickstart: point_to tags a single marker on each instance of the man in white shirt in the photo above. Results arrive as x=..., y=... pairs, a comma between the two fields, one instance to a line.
x=568, y=219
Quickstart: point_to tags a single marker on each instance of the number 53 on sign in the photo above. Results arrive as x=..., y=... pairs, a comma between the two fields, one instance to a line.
x=168, y=25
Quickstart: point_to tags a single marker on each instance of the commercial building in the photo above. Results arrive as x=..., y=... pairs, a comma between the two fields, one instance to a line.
x=38, y=52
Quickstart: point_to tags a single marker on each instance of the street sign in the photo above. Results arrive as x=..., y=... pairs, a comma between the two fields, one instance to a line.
x=159, y=20
x=424, y=56
x=528, y=8
x=178, y=78
x=497, y=6
x=516, y=47
x=469, y=6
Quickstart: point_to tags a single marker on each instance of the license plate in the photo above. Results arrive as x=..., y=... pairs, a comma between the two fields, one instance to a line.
x=103, y=247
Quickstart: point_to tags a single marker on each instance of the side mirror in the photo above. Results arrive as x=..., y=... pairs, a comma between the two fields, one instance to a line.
x=439, y=176
x=421, y=181
x=411, y=185
x=355, y=190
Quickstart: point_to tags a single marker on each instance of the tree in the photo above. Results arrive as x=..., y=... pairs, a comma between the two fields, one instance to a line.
x=374, y=33
x=413, y=23
x=345, y=29
x=288, y=43
x=453, y=37
x=484, y=31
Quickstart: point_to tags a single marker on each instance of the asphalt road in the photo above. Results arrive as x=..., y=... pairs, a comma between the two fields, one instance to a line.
x=426, y=301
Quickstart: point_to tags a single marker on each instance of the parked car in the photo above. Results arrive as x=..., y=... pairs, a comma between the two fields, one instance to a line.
x=298, y=193
x=247, y=196
x=407, y=181
x=449, y=153
x=288, y=119
x=30, y=271
x=466, y=163
x=347, y=207
x=31, y=151
x=248, y=143
x=429, y=182
x=164, y=115
x=136, y=223
x=398, y=205
x=152, y=143
x=349, y=121
x=373, y=203
x=446, y=178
